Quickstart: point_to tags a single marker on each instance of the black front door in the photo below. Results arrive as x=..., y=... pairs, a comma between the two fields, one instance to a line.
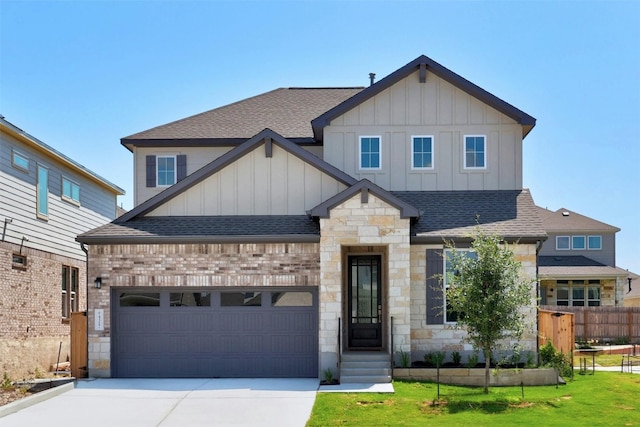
x=365, y=302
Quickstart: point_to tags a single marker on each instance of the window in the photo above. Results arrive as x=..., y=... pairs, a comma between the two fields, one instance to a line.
x=19, y=161
x=140, y=299
x=70, y=191
x=166, y=171
x=42, y=193
x=69, y=291
x=291, y=299
x=450, y=315
x=19, y=261
x=422, y=152
x=475, y=155
x=578, y=242
x=562, y=243
x=595, y=243
x=241, y=299
x=190, y=299
x=370, y=152
x=578, y=294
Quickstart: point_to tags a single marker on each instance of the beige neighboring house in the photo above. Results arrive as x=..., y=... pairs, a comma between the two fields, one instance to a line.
x=301, y=230
x=632, y=293
x=577, y=263
x=46, y=200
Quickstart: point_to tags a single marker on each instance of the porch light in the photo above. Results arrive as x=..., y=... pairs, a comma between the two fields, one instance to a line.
x=97, y=283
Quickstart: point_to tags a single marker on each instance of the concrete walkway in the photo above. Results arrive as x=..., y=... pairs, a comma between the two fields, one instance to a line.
x=174, y=402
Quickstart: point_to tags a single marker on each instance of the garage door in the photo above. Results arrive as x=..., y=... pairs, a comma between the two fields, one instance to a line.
x=215, y=333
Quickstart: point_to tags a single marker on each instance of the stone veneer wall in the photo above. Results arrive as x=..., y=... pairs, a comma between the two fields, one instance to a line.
x=189, y=265
x=351, y=224
x=31, y=324
x=430, y=338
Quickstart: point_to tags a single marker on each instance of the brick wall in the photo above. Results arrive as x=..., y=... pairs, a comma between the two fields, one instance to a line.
x=189, y=265
x=31, y=325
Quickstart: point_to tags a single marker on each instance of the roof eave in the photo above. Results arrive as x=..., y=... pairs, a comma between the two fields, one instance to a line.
x=132, y=240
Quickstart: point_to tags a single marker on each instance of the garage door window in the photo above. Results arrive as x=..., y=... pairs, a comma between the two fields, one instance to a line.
x=241, y=299
x=190, y=299
x=291, y=299
x=140, y=299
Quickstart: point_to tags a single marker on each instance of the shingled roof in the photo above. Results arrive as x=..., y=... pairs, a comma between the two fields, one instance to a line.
x=564, y=220
x=287, y=111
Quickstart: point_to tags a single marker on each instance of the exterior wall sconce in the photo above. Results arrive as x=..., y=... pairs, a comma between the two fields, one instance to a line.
x=97, y=283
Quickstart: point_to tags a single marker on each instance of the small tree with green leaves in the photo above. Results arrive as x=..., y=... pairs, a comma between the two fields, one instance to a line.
x=490, y=295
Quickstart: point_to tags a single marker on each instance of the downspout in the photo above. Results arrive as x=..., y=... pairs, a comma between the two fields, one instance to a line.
x=538, y=247
x=86, y=266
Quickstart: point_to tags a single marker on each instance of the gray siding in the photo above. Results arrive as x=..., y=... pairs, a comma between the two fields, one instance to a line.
x=607, y=255
x=66, y=220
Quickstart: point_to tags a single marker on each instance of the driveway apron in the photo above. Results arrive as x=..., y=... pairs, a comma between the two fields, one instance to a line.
x=175, y=402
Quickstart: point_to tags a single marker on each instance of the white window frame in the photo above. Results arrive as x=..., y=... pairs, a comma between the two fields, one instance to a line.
x=433, y=155
x=568, y=243
x=445, y=284
x=586, y=285
x=72, y=185
x=175, y=169
x=360, y=167
x=18, y=154
x=589, y=246
x=42, y=215
x=573, y=246
x=484, y=154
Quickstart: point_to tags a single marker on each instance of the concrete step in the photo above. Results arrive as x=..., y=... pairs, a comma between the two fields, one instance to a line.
x=365, y=371
x=371, y=364
x=368, y=379
x=365, y=355
x=365, y=367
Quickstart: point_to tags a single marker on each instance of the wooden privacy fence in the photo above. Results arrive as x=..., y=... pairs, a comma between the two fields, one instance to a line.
x=79, y=344
x=558, y=328
x=605, y=324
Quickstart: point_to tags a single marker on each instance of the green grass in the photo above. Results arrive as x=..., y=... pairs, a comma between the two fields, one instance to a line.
x=601, y=360
x=603, y=399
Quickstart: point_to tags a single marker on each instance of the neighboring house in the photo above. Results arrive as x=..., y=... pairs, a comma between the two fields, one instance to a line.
x=46, y=200
x=302, y=230
x=632, y=291
x=577, y=264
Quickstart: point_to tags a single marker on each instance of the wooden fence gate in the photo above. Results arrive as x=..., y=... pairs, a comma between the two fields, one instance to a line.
x=79, y=344
x=557, y=327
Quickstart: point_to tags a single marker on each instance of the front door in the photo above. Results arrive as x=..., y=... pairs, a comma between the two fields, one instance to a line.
x=365, y=302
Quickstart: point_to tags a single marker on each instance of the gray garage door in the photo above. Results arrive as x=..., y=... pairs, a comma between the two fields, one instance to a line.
x=215, y=333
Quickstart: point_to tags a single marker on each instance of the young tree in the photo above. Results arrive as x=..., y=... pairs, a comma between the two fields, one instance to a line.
x=489, y=294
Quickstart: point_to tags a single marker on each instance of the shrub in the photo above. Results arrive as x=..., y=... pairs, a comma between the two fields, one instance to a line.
x=549, y=356
x=455, y=356
x=472, y=361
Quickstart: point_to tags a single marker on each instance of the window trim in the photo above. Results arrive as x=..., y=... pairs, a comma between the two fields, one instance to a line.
x=175, y=169
x=589, y=248
x=42, y=215
x=66, y=198
x=568, y=248
x=360, y=167
x=586, y=285
x=573, y=247
x=484, y=152
x=413, y=153
x=14, y=154
x=445, y=285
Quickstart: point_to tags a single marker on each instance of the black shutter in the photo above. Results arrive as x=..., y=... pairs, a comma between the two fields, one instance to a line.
x=151, y=171
x=435, y=292
x=182, y=167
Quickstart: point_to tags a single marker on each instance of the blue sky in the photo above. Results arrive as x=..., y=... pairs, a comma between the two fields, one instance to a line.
x=80, y=75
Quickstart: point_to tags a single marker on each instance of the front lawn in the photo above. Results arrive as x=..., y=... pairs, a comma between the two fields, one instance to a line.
x=603, y=399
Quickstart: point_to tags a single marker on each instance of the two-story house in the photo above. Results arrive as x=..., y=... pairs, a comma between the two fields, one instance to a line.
x=302, y=230
x=46, y=200
x=577, y=264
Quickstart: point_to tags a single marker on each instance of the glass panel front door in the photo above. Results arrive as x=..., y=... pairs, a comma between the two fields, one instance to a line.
x=365, y=302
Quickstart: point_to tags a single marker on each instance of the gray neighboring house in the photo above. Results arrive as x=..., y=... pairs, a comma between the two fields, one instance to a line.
x=46, y=200
x=577, y=264
x=301, y=230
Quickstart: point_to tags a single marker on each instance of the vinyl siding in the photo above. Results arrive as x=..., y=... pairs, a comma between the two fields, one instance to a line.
x=256, y=185
x=65, y=220
x=436, y=108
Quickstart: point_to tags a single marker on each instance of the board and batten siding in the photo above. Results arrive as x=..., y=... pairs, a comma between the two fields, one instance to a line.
x=65, y=220
x=256, y=185
x=435, y=108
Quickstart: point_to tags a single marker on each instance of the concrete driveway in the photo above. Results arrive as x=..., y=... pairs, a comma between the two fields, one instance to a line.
x=174, y=402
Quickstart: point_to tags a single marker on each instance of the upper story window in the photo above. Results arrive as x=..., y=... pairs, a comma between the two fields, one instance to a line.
x=70, y=191
x=475, y=152
x=166, y=170
x=595, y=242
x=422, y=152
x=70, y=282
x=578, y=243
x=451, y=316
x=370, y=152
x=563, y=243
x=42, y=193
x=19, y=161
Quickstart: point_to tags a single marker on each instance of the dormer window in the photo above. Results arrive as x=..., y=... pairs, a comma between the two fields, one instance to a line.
x=165, y=170
x=370, y=157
